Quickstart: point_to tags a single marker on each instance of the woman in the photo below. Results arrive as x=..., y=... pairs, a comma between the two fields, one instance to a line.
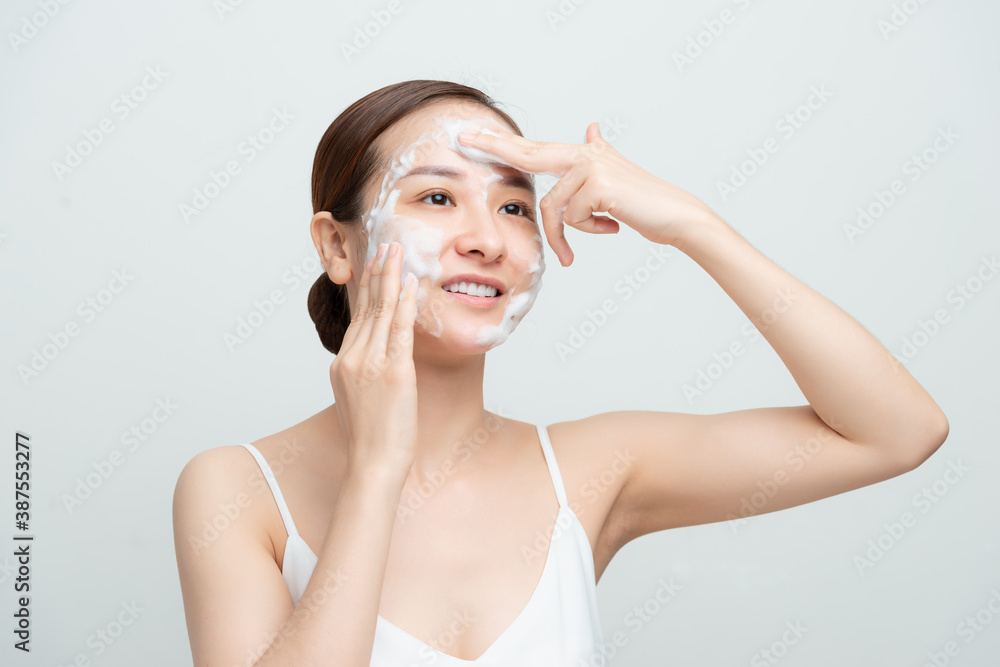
x=427, y=530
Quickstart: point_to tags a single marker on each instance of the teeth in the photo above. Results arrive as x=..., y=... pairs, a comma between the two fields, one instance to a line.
x=472, y=289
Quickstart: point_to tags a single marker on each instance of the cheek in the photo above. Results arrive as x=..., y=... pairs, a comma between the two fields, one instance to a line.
x=532, y=258
x=521, y=298
x=421, y=245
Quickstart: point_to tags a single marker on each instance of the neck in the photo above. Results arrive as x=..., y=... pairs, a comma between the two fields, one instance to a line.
x=453, y=427
x=450, y=414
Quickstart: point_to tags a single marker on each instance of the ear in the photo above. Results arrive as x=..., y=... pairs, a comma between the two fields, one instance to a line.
x=334, y=243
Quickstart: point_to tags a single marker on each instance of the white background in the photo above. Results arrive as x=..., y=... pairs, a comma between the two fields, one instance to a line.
x=556, y=68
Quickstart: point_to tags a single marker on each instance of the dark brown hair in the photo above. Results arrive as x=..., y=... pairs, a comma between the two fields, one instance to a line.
x=347, y=158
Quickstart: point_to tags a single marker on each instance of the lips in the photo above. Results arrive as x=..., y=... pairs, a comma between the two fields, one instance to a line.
x=475, y=278
x=474, y=301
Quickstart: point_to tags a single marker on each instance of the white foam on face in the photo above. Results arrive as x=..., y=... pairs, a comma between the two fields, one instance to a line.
x=517, y=305
x=486, y=180
x=422, y=245
x=452, y=127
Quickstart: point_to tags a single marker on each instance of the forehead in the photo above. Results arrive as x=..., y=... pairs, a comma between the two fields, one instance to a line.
x=432, y=126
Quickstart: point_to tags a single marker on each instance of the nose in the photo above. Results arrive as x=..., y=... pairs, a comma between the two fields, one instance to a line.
x=481, y=233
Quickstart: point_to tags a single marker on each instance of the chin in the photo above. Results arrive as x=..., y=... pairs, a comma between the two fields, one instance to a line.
x=460, y=335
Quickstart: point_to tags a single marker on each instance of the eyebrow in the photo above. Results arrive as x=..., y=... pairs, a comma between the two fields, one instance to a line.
x=518, y=180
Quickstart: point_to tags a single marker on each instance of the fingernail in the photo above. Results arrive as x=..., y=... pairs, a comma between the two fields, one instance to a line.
x=467, y=137
x=392, y=248
x=381, y=249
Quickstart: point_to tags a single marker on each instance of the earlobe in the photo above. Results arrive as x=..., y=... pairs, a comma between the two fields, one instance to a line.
x=333, y=246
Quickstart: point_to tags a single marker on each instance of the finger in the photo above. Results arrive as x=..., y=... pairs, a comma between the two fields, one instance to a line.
x=431, y=301
x=605, y=225
x=401, y=337
x=595, y=142
x=555, y=235
x=384, y=307
x=370, y=304
x=553, y=207
x=537, y=157
x=352, y=334
x=582, y=210
x=594, y=133
x=553, y=204
x=596, y=224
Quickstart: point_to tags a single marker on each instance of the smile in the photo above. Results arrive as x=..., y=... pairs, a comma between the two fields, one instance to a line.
x=472, y=289
x=473, y=300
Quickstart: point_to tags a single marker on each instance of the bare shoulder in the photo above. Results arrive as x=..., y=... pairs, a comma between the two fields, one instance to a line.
x=214, y=472
x=232, y=587
x=220, y=468
x=587, y=450
x=594, y=468
x=582, y=443
x=215, y=489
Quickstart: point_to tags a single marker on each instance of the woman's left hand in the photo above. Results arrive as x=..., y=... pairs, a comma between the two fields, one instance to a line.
x=594, y=177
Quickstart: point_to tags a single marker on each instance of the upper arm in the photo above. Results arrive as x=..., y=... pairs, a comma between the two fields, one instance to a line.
x=234, y=595
x=694, y=469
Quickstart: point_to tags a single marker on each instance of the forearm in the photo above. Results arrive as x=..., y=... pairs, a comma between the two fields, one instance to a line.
x=334, y=622
x=850, y=379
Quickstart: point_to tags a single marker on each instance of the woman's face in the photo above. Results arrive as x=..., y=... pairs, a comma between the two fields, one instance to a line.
x=455, y=213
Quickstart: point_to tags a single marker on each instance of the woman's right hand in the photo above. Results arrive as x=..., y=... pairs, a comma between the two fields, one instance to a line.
x=373, y=377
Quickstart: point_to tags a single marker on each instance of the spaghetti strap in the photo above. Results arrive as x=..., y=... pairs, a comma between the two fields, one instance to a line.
x=279, y=499
x=550, y=459
x=559, y=625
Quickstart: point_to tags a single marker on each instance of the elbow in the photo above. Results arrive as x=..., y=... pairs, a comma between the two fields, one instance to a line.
x=933, y=436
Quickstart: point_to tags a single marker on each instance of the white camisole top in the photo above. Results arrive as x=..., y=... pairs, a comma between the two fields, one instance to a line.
x=559, y=626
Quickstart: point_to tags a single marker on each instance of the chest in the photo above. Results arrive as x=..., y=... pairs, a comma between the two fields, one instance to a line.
x=467, y=557
x=457, y=578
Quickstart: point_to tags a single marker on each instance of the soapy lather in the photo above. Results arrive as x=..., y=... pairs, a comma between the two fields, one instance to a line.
x=422, y=245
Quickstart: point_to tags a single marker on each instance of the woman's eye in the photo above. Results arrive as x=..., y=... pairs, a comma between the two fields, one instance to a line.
x=515, y=208
x=525, y=210
x=437, y=198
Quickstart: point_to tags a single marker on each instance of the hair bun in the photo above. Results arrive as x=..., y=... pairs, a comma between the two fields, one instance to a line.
x=328, y=307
